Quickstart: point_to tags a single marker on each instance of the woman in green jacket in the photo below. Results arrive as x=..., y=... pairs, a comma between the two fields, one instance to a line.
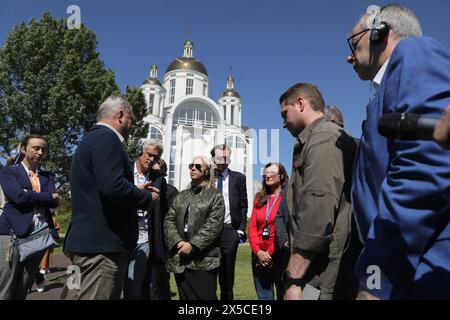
x=192, y=228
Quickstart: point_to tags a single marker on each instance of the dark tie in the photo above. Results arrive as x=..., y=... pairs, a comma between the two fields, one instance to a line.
x=219, y=182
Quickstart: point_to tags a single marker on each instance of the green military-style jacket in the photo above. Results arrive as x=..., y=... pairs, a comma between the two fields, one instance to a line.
x=319, y=200
x=206, y=211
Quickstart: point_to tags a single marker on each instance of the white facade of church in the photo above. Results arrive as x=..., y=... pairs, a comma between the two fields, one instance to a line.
x=188, y=123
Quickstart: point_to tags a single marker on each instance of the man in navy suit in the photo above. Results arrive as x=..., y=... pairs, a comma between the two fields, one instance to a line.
x=104, y=226
x=401, y=189
x=233, y=186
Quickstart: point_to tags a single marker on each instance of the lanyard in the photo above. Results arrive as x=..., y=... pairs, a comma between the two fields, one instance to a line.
x=268, y=211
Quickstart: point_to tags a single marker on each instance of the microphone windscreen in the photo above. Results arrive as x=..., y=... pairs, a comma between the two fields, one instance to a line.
x=398, y=126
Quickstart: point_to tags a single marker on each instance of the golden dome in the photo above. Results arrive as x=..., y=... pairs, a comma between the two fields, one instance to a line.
x=230, y=93
x=184, y=63
x=153, y=81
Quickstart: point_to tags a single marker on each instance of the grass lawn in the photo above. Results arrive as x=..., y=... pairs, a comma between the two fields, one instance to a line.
x=244, y=289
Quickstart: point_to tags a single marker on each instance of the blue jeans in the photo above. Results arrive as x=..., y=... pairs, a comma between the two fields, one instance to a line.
x=265, y=279
x=137, y=282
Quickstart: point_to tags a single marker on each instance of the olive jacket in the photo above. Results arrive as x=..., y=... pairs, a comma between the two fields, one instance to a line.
x=202, y=211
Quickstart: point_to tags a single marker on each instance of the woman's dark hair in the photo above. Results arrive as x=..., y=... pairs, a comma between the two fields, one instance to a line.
x=25, y=140
x=261, y=196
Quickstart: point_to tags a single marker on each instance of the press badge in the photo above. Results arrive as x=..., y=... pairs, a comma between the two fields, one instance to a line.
x=266, y=232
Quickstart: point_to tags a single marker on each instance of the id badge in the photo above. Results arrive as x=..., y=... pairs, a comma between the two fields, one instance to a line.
x=266, y=232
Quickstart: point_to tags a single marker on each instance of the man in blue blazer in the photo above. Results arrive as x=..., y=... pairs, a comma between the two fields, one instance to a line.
x=233, y=186
x=401, y=189
x=104, y=226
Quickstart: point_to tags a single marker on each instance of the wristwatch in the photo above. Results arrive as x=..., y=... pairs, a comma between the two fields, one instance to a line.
x=289, y=281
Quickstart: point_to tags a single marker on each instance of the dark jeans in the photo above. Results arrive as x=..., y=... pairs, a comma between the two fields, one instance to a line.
x=266, y=278
x=137, y=281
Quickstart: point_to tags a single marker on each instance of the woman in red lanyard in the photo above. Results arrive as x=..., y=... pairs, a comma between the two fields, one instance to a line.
x=266, y=263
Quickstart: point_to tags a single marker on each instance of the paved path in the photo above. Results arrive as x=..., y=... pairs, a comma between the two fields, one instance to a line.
x=53, y=282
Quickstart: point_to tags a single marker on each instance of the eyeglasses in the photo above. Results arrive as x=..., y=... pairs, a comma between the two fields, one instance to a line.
x=270, y=174
x=197, y=166
x=352, y=44
x=220, y=160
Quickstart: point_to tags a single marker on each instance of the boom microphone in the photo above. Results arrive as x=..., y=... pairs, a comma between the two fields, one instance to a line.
x=407, y=126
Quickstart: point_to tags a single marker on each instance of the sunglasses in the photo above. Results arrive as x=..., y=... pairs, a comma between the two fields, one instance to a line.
x=197, y=166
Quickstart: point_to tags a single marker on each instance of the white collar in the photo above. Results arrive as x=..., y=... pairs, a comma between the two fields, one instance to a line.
x=136, y=173
x=379, y=76
x=28, y=170
x=122, y=139
x=225, y=173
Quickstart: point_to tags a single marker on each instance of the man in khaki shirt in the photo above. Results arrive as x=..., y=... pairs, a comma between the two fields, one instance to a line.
x=318, y=193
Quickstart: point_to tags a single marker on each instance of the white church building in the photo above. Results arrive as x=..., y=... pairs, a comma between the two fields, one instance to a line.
x=188, y=123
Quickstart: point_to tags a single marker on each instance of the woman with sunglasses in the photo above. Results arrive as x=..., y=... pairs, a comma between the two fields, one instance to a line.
x=192, y=228
x=268, y=262
x=31, y=193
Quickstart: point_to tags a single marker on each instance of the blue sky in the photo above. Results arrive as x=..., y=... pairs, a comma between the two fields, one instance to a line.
x=271, y=45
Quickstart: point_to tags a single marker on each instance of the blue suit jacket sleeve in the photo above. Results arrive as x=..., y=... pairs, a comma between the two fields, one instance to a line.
x=108, y=168
x=413, y=205
x=12, y=185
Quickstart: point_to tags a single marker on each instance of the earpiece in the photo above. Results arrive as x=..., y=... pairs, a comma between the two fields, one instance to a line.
x=378, y=34
x=378, y=29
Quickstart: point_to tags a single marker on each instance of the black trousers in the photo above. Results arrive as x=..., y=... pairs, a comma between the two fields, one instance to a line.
x=229, y=242
x=197, y=284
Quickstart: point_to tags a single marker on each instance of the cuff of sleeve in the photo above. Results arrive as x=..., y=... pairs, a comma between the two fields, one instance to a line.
x=196, y=244
x=309, y=242
x=173, y=242
x=241, y=232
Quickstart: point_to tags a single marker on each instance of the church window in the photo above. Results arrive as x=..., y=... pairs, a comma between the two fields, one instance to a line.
x=155, y=134
x=172, y=91
x=232, y=114
x=189, y=86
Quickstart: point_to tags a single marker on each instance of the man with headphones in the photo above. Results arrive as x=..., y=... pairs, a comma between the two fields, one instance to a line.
x=400, y=189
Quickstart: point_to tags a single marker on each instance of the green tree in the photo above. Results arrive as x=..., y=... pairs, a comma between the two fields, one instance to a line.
x=51, y=83
x=140, y=128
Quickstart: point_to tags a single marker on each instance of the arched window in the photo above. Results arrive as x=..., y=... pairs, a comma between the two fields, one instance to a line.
x=229, y=141
x=155, y=134
x=240, y=143
x=195, y=114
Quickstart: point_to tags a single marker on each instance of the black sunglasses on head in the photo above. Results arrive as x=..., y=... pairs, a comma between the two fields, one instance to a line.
x=197, y=166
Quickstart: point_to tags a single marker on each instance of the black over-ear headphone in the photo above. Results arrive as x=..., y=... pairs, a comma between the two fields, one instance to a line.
x=379, y=30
